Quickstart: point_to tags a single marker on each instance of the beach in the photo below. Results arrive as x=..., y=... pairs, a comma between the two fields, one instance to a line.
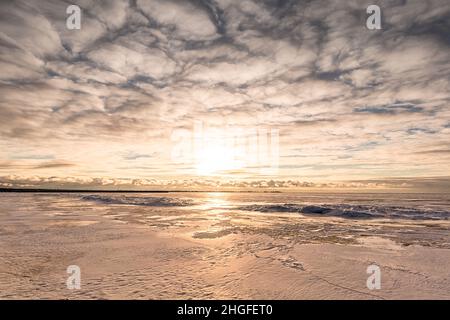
x=224, y=246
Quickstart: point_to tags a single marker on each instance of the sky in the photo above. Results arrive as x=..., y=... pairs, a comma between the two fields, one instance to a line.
x=224, y=93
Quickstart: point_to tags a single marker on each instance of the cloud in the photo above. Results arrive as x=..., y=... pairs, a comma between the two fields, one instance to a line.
x=190, y=21
x=393, y=109
x=41, y=165
x=136, y=156
x=53, y=164
x=423, y=184
x=110, y=96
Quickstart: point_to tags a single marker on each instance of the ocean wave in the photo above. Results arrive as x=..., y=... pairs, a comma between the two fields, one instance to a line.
x=140, y=201
x=352, y=211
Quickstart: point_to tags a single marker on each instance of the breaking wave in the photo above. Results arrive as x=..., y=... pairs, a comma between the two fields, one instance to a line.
x=353, y=211
x=140, y=201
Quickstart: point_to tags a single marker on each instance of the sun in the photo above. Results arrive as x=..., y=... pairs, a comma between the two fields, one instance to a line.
x=216, y=159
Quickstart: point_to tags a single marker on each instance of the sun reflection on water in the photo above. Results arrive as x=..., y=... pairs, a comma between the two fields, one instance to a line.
x=215, y=201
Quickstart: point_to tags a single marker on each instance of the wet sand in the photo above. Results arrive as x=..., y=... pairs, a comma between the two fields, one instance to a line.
x=125, y=252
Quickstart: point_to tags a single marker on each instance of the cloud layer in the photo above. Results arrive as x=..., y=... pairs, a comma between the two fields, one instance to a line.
x=105, y=101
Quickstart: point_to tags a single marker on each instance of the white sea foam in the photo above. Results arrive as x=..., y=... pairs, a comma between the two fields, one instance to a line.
x=140, y=201
x=353, y=211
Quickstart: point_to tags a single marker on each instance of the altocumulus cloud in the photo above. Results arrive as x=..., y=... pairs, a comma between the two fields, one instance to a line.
x=95, y=98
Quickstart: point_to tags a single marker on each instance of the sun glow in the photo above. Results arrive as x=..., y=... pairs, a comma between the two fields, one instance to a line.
x=216, y=159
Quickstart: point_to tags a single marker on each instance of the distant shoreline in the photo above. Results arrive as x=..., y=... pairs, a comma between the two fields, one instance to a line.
x=31, y=190
x=44, y=190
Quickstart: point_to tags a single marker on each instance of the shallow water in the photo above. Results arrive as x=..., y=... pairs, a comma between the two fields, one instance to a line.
x=302, y=217
x=134, y=244
x=403, y=206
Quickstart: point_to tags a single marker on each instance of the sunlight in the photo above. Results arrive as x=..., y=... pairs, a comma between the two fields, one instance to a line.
x=215, y=159
x=217, y=201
